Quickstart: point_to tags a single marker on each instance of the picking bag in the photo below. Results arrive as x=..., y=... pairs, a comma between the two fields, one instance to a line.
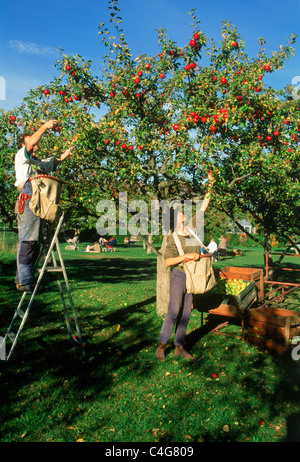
x=200, y=276
x=46, y=191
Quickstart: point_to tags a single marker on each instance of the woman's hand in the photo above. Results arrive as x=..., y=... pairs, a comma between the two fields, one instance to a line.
x=191, y=256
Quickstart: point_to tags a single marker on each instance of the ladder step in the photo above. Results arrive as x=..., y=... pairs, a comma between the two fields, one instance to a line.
x=52, y=269
x=20, y=313
x=11, y=336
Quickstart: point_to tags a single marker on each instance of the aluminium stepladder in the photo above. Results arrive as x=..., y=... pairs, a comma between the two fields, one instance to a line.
x=22, y=315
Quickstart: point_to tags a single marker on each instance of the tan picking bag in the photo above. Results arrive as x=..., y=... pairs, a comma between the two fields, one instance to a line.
x=200, y=276
x=46, y=191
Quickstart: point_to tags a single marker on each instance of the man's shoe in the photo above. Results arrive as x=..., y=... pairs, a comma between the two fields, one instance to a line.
x=26, y=288
x=30, y=288
x=160, y=352
x=182, y=352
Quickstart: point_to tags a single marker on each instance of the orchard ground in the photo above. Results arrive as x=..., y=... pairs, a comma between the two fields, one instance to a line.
x=232, y=391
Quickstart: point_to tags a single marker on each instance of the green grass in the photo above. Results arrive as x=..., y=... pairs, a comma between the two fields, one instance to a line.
x=233, y=391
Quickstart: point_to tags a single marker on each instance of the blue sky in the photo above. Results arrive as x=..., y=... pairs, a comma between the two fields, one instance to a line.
x=30, y=33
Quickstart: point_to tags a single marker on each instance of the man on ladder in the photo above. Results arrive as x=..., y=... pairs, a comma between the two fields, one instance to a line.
x=28, y=222
x=29, y=233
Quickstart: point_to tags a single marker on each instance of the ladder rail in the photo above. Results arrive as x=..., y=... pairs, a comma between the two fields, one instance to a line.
x=70, y=297
x=24, y=314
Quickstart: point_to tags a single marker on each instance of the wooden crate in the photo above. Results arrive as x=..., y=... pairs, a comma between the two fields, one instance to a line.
x=246, y=298
x=247, y=274
x=237, y=305
x=273, y=328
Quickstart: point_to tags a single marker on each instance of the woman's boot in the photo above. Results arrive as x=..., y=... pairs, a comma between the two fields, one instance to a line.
x=181, y=351
x=160, y=352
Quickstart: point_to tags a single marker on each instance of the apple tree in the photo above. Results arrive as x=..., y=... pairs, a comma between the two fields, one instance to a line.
x=169, y=120
x=154, y=126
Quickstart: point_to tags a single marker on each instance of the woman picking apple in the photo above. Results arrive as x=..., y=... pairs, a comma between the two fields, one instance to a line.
x=180, y=302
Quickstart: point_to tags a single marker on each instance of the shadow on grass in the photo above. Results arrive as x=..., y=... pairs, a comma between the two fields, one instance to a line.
x=47, y=367
x=111, y=270
x=45, y=353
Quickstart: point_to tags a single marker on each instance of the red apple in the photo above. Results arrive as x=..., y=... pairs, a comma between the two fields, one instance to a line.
x=267, y=67
x=276, y=133
x=13, y=118
x=192, y=43
x=223, y=81
x=175, y=127
x=136, y=80
x=234, y=44
x=46, y=92
x=196, y=36
x=162, y=75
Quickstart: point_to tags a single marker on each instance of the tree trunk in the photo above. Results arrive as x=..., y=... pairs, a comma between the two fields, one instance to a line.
x=267, y=251
x=162, y=278
x=162, y=283
x=150, y=239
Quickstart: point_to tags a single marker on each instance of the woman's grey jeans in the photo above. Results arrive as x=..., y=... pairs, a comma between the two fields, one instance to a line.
x=179, y=310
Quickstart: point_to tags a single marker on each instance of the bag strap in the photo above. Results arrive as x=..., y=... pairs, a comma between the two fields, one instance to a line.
x=177, y=242
x=195, y=235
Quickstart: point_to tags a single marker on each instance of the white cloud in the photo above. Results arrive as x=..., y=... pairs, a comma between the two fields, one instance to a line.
x=32, y=48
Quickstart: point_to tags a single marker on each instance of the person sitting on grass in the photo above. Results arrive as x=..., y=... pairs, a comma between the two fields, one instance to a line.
x=94, y=248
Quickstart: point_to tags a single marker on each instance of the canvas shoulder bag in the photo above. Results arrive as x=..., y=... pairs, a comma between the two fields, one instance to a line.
x=45, y=197
x=200, y=277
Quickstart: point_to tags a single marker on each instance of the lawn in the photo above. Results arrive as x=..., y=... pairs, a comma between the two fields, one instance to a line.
x=231, y=392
